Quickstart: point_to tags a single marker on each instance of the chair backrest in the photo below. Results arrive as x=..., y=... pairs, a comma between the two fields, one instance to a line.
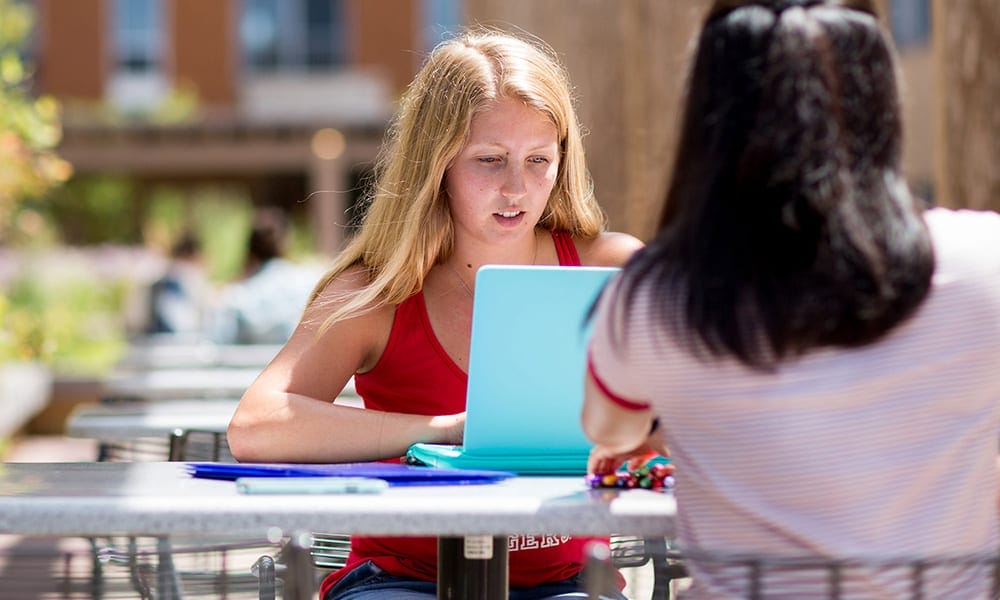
x=632, y=552
x=330, y=550
x=199, y=445
x=178, y=445
x=134, y=450
x=755, y=577
x=179, y=567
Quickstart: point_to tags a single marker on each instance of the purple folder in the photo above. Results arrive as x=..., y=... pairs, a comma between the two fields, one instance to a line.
x=394, y=474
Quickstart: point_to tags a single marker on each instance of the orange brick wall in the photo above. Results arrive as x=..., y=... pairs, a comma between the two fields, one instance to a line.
x=384, y=35
x=72, y=51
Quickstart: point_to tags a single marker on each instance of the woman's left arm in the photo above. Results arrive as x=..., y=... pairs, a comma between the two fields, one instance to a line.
x=620, y=434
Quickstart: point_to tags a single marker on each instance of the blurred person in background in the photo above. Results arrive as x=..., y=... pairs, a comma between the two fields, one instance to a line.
x=178, y=300
x=265, y=304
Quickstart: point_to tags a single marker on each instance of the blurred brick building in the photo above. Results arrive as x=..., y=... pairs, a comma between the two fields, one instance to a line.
x=291, y=97
x=294, y=95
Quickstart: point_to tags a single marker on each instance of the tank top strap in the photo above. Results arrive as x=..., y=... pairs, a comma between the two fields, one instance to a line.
x=565, y=249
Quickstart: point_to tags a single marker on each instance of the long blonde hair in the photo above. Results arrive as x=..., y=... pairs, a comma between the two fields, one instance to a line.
x=407, y=226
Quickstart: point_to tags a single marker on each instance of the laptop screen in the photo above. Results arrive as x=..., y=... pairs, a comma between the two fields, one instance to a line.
x=527, y=358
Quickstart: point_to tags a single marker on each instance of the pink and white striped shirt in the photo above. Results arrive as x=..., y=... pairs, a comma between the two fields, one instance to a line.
x=880, y=451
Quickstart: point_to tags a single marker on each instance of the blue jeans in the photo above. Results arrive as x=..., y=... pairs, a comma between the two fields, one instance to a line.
x=368, y=582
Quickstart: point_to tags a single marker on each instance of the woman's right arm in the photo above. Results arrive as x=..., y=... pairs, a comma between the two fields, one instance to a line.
x=288, y=414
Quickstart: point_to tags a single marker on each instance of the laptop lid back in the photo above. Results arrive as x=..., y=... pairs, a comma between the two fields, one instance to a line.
x=527, y=358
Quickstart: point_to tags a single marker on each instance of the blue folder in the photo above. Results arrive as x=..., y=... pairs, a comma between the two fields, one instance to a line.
x=394, y=474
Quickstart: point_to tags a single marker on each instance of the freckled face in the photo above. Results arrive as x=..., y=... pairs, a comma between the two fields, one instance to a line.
x=499, y=184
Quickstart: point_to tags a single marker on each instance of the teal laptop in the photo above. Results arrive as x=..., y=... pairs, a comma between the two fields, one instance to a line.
x=527, y=360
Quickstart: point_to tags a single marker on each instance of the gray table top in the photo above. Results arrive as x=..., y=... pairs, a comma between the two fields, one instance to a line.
x=195, y=354
x=131, y=420
x=161, y=498
x=194, y=382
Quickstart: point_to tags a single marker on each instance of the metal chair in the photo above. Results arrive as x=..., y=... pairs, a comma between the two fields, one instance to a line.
x=178, y=445
x=126, y=568
x=199, y=445
x=301, y=564
x=37, y=567
x=133, y=450
x=757, y=577
x=906, y=576
x=601, y=563
x=637, y=551
x=180, y=567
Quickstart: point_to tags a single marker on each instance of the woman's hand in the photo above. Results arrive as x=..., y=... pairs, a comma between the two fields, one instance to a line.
x=603, y=460
x=450, y=428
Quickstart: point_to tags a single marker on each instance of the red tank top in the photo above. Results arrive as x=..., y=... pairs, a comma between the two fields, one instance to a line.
x=415, y=375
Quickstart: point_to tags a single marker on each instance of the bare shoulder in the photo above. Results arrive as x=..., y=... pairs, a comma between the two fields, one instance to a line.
x=352, y=279
x=609, y=249
x=358, y=338
x=337, y=291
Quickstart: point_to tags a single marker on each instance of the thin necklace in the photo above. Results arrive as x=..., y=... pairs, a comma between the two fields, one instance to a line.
x=465, y=286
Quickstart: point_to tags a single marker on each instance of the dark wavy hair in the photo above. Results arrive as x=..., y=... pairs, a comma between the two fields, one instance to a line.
x=788, y=225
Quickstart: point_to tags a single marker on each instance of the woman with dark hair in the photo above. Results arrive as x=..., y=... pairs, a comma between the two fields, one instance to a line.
x=820, y=354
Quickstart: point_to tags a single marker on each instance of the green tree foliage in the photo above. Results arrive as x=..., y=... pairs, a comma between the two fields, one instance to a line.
x=29, y=126
x=94, y=209
x=69, y=323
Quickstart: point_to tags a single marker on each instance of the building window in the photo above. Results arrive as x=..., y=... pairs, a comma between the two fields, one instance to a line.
x=138, y=30
x=138, y=35
x=911, y=22
x=292, y=35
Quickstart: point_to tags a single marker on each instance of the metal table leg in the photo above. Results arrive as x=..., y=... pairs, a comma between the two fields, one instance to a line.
x=472, y=568
x=300, y=575
x=168, y=582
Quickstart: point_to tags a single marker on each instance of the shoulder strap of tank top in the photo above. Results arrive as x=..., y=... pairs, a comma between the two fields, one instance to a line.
x=565, y=249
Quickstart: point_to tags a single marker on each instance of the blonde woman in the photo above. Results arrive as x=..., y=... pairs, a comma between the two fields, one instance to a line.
x=483, y=164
